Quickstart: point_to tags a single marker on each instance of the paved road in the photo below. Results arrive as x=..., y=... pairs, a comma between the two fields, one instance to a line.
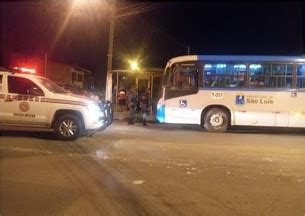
x=158, y=170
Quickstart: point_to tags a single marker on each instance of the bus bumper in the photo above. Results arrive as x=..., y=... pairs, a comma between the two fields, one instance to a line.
x=160, y=113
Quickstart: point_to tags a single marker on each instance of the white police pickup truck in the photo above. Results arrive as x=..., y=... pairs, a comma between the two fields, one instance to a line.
x=30, y=102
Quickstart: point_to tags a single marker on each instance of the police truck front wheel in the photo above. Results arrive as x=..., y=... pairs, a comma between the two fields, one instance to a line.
x=68, y=127
x=216, y=120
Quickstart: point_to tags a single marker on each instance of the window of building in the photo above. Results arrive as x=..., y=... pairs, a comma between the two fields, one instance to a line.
x=224, y=75
x=79, y=78
x=301, y=76
x=73, y=77
x=270, y=76
x=1, y=82
x=23, y=86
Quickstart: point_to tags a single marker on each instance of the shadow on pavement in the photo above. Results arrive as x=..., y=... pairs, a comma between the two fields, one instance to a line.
x=266, y=130
x=169, y=127
x=37, y=135
x=233, y=129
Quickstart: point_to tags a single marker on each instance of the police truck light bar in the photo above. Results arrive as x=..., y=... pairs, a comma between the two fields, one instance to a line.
x=25, y=70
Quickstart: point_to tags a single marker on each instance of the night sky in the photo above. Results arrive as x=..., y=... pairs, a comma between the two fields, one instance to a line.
x=154, y=36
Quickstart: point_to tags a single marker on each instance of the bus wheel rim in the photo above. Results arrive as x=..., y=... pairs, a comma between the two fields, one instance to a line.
x=216, y=120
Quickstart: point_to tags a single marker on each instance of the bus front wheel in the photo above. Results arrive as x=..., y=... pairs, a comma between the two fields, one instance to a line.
x=216, y=120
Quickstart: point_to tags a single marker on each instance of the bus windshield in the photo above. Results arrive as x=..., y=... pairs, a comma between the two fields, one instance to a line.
x=166, y=76
x=182, y=77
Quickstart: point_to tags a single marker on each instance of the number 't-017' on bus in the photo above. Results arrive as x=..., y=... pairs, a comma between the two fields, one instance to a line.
x=219, y=91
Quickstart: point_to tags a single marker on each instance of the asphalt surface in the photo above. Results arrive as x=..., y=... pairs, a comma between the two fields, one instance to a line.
x=154, y=170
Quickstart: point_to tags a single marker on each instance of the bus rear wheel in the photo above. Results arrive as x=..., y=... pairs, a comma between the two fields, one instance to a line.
x=216, y=120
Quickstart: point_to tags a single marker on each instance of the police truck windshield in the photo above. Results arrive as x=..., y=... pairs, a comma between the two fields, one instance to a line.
x=51, y=86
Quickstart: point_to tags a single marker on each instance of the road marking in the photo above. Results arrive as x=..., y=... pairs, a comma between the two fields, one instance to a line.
x=26, y=150
x=136, y=182
x=267, y=159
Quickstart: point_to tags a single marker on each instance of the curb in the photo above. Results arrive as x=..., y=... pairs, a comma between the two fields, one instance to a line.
x=138, y=116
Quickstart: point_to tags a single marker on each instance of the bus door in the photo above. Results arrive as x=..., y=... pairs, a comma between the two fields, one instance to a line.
x=181, y=85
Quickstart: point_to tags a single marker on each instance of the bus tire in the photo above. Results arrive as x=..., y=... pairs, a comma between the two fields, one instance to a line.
x=216, y=120
x=68, y=127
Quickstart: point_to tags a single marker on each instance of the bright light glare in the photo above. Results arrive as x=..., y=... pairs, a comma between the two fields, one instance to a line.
x=80, y=3
x=93, y=107
x=80, y=6
x=221, y=65
x=134, y=65
x=298, y=115
x=240, y=66
x=94, y=112
x=26, y=70
x=255, y=66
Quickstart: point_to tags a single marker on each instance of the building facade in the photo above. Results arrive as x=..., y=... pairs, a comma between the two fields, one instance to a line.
x=150, y=78
x=69, y=76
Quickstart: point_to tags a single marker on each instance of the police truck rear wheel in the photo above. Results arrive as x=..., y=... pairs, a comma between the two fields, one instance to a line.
x=216, y=120
x=68, y=127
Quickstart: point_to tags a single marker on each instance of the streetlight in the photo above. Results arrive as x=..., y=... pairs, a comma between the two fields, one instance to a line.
x=78, y=6
x=134, y=65
x=113, y=17
x=137, y=9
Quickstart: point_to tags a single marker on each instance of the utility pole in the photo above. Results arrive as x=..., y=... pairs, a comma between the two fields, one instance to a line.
x=188, y=50
x=113, y=18
x=302, y=33
x=45, y=64
x=108, y=94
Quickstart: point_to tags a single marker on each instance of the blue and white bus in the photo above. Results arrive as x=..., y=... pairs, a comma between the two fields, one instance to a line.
x=218, y=91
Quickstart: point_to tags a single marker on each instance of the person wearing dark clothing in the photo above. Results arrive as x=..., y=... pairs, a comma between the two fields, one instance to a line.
x=144, y=100
x=132, y=98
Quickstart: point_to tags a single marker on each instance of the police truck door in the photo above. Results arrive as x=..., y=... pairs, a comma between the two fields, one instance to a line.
x=22, y=106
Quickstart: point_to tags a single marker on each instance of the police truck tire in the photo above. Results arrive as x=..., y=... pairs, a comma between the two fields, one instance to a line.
x=68, y=127
x=216, y=120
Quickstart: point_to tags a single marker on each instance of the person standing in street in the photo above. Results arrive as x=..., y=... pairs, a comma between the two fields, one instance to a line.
x=132, y=97
x=144, y=100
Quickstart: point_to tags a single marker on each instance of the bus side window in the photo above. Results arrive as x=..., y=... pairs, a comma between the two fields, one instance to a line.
x=224, y=75
x=270, y=75
x=301, y=76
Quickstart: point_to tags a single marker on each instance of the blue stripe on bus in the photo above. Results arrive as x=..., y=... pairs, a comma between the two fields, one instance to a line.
x=252, y=89
x=161, y=114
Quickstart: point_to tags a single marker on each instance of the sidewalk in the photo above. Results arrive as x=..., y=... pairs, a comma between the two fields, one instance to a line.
x=138, y=116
